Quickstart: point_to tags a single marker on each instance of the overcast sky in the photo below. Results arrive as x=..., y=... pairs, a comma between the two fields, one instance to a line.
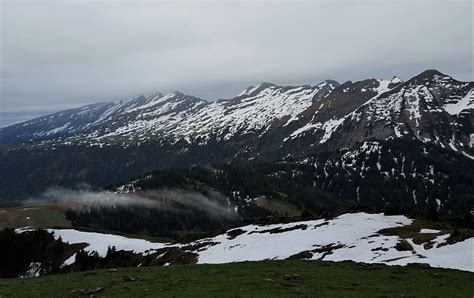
x=61, y=54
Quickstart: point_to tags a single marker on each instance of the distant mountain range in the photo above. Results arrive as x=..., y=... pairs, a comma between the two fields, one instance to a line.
x=414, y=139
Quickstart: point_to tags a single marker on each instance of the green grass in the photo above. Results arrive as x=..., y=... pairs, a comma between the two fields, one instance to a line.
x=282, y=208
x=50, y=216
x=34, y=216
x=279, y=207
x=253, y=279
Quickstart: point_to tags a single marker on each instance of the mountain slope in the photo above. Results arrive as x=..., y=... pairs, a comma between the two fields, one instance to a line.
x=426, y=121
x=174, y=116
x=430, y=107
x=62, y=123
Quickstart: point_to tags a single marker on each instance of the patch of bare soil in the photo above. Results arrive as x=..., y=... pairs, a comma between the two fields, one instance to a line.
x=198, y=246
x=412, y=231
x=403, y=245
x=327, y=249
x=176, y=256
x=458, y=235
x=304, y=255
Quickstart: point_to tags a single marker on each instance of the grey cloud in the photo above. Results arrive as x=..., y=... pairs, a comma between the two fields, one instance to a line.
x=57, y=53
x=85, y=197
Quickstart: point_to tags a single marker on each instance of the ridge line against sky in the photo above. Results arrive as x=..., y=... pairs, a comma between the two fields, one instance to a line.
x=57, y=55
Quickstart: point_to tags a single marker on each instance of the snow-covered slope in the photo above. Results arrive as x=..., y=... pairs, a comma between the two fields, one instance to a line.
x=457, y=106
x=157, y=117
x=355, y=237
x=427, y=107
x=177, y=116
x=67, y=123
x=431, y=107
x=100, y=242
x=174, y=116
x=328, y=115
x=359, y=237
x=62, y=123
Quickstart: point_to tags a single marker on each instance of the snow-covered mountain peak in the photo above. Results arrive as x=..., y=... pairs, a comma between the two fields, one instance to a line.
x=154, y=96
x=254, y=90
x=270, y=88
x=132, y=100
x=247, y=91
x=394, y=82
x=432, y=76
x=331, y=83
x=157, y=101
x=124, y=105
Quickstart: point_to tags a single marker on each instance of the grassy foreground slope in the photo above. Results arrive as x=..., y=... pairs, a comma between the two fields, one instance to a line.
x=256, y=279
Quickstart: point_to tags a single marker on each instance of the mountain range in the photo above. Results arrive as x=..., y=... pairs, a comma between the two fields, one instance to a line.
x=370, y=142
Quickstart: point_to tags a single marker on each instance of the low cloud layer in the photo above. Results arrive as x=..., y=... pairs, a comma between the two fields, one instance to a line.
x=163, y=199
x=67, y=53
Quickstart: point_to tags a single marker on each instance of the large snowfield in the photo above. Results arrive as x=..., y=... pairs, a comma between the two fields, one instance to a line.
x=355, y=234
x=352, y=236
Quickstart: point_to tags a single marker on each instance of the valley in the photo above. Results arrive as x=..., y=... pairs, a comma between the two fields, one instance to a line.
x=377, y=172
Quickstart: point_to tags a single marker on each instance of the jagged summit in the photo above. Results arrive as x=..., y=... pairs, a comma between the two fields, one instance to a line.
x=396, y=80
x=329, y=82
x=429, y=75
x=253, y=90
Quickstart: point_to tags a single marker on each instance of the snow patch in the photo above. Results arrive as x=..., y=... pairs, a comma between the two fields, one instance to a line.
x=467, y=102
x=101, y=242
x=429, y=231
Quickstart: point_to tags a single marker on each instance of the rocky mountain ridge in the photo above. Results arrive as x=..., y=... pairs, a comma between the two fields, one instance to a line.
x=353, y=134
x=431, y=107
